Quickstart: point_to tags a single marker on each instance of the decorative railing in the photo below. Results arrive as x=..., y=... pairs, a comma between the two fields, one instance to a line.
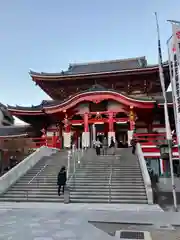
x=149, y=139
x=15, y=143
x=151, y=144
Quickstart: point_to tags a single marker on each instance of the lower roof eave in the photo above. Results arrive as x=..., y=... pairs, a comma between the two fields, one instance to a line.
x=14, y=136
x=24, y=112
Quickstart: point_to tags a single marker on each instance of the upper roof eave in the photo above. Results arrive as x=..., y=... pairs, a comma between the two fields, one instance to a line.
x=56, y=104
x=57, y=76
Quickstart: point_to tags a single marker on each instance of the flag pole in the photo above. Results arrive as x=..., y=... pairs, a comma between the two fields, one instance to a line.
x=176, y=74
x=166, y=115
x=172, y=72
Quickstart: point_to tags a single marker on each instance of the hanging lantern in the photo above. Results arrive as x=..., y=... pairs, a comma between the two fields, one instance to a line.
x=164, y=151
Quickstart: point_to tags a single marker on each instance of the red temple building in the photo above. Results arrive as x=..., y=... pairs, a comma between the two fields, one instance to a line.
x=109, y=98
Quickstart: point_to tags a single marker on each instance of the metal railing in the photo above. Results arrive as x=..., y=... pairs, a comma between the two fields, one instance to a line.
x=75, y=161
x=35, y=178
x=110, y=183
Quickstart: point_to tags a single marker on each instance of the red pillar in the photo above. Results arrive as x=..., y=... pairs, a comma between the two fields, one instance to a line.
x=111, y=122
x=54, y=140
x=76, y=134
x=44, y=137
x=67, y=133
x=163, y=166
x=131, y=119
x=60, y=136
x=86, y=124
x=67, y=128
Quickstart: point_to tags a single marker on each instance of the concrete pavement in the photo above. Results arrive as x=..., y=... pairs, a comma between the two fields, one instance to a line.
x=82, y=222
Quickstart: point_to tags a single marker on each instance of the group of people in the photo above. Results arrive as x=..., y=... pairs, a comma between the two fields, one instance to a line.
x=104, y=146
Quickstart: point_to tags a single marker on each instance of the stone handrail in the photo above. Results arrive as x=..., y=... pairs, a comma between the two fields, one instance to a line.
x=145, y=174
x=13, y=175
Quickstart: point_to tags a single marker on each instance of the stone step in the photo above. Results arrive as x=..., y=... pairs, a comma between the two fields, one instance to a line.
x=80, y=189
x=84, y=171
x=110, y=162
x=72, y=196
x=84, y=189
x=118, y=198
x=86, y=176
x=110, y=201
x=84, y=192
x=119, y=180
x=142, y=201
x=107, y=193
x=96, y=171
x=87, y=185
x=35, y=199
x=87, y=179
x=109, y=166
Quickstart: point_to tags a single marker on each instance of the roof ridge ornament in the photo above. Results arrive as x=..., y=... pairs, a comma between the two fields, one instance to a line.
x=97, y=87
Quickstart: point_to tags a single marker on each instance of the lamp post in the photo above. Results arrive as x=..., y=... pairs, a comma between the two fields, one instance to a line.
x=164, y=151
x=175, y=107
x=166, y=155
x=166, y=114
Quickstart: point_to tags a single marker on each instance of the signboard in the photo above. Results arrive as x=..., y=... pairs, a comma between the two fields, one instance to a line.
x=176, y=76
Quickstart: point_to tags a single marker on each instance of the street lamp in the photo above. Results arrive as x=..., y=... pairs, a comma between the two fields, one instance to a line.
x=164, y=151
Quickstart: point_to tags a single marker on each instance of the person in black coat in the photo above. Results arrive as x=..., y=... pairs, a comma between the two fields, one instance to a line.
x=133, y=144
x=112, y=145
x=61, y=180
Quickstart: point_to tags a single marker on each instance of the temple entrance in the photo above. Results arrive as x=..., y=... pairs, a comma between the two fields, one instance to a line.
x=83, y=129
x=98, y=131
x=121, y=130
x=100, y=136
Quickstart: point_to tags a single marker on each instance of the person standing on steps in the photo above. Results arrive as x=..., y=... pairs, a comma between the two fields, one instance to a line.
x=98, y=147
x=112, y=145
x=105, y=146
x=133, y=143
x=61, y=180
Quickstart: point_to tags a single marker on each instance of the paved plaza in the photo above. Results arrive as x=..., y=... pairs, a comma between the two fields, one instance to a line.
x=19, y=221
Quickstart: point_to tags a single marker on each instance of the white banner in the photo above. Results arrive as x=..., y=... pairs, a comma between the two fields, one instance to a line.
x=175, y=57
x=161, y=76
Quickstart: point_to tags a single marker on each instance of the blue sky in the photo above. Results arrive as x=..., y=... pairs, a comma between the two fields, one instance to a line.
x=46, y=35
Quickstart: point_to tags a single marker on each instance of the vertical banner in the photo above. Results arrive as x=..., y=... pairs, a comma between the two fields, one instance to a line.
x=161, y=76
x=176, y=76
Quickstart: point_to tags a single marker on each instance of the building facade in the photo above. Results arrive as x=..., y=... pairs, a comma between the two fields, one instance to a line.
x=110, y=98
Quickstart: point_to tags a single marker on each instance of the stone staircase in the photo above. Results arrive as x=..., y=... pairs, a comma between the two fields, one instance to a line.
x=40, y=183
x=101, y=179
x=109, y=179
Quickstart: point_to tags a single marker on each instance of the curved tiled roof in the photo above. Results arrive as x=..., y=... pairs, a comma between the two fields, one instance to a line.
x=6, y=113
x=114, y=66
x=96, y=88
x=100, y=67
x=13, y=131
x=32, y=108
